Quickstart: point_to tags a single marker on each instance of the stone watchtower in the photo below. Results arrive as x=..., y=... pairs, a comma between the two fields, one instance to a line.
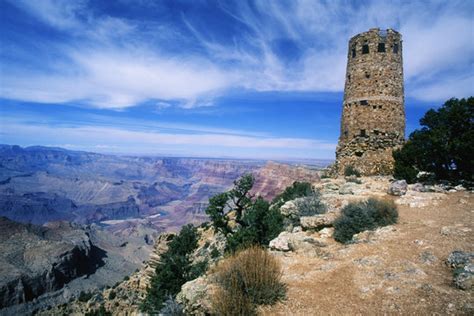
x=373, y=114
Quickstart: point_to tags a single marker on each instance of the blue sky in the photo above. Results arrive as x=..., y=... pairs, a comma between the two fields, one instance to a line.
x=256, y=79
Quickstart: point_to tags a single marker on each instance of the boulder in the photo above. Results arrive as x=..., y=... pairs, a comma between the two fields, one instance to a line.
x=281, y=243
x=347, y=188
x=195, y=296
x=318, y=222
x=458, y=259
x=331, y=186
x=369, y=236
x=289, y=209
x=464, y=278
x=398, y=188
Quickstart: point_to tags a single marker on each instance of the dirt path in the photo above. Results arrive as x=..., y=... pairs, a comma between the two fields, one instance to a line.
x=402, y=272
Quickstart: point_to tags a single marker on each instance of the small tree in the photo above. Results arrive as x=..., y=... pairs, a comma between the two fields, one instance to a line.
x=444, y=145
x=173, y=270
x=256, y=223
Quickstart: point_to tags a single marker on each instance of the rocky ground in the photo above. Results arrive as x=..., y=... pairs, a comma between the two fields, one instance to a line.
x=399, y=269
x=396, y=269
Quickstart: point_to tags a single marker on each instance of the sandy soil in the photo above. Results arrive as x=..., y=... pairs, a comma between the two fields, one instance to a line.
x=402, y=272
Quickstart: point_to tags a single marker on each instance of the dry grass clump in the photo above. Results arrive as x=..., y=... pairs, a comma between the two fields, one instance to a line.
x=249, y=278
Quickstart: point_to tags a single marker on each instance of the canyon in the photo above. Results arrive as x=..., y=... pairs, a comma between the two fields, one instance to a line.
x=62, y=208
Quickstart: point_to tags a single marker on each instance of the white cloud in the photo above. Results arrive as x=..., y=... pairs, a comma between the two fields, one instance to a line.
x=113, y=64
x=126, y=141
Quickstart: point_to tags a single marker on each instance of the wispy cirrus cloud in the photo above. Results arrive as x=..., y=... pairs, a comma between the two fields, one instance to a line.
x=115, y=60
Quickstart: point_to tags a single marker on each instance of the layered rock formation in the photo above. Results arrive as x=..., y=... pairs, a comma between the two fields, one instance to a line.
x=36, y=259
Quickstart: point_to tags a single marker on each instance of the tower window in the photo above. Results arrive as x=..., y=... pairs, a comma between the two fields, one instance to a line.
x=346, y=133
x=374, y=107
x=380, y=106
x=353, y=52
x=349, y=78
x=364, y=102
x=365, y=49
x=395, y=48
x=381, y=48
x=363, y=133
x=367, y=75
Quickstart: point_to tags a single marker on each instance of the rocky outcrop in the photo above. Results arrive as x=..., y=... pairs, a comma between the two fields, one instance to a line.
x=318, y=222
x=462, y=264
x=398, y=188
x=35, y=259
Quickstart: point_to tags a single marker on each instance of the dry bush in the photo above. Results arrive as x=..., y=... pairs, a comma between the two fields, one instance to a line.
x=248, y=278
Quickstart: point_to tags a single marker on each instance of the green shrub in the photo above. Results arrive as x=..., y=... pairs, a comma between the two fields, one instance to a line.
x=259, y=225
x=311, y=205
x=442, y=146
x=112, y=295
x=296, y=190
x=174, y=269
x=84, y=296
x=360, y=216
x=99, y=312
x=248, y=278
x=215, y=253
x=351, y=171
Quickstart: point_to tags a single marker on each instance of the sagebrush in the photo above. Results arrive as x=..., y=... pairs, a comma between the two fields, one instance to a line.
x=367, y=215
x=249, y=278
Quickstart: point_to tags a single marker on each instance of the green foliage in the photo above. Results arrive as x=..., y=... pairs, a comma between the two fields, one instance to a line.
x=112, y=295
x=444, y=145
x=360, y=216
x=99, y=312
x=351, y=171
x=296, y=190
x=257, y=224
x=174, y=269
x=311, y=205
x=84, y=296
x=215, y=253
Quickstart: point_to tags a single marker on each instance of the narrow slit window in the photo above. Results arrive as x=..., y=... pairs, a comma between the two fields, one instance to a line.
x=381, y=48
x=353, y=52
x=365, y=49
x=367, y=75
x=363, y=133
x=395, y=48
x=374, y=107
x=364, y=102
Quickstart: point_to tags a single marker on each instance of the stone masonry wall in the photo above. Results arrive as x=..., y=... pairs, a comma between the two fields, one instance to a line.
x=373, y=116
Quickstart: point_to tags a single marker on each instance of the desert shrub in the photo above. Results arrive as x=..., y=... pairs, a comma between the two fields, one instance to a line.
x=351, y=171
x=256, y=223
x=126, y=278
x=359, y=216
x=442, y=146
x=175, y=269
x=172, y=308
x=248, y=278
x=84, y=296
x=215, y=253
x=112, y=295
x=296, y=190
x=259, y=225
x=311, y=205
x=101, y=311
